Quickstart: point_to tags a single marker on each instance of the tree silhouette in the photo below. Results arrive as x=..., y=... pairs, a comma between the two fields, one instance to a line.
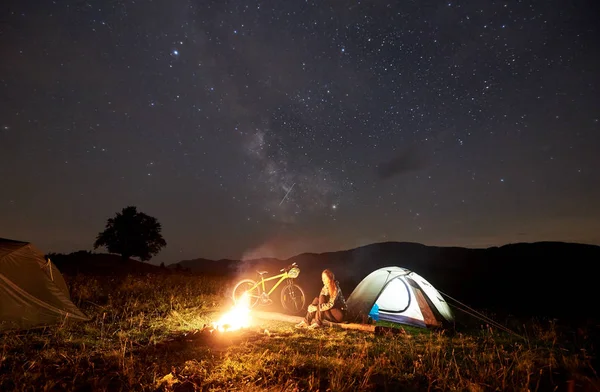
x=132, y=234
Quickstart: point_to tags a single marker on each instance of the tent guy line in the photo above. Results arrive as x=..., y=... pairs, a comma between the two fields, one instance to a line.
x=478, y=315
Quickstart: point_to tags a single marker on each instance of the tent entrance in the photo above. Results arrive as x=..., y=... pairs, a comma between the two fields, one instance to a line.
x=395, y=297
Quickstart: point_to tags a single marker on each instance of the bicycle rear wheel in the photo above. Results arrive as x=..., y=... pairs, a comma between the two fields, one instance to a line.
x=246, y=286
x=293, y=299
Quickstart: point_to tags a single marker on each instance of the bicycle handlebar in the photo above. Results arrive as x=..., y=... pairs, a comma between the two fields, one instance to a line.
x=289, y=267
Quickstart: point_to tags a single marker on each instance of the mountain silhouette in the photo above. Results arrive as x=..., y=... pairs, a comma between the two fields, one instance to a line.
x=550, y=279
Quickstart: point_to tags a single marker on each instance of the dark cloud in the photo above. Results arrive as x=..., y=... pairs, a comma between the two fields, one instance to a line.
x=407, y=160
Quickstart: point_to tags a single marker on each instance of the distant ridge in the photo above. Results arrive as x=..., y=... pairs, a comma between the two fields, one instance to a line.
x=101, y=264
x=550, y=279
x=543, y=278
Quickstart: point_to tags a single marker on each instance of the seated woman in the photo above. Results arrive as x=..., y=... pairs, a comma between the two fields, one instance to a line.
x=330, y=305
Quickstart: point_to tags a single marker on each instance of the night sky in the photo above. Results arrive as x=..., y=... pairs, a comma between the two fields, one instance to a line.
x=272, y=128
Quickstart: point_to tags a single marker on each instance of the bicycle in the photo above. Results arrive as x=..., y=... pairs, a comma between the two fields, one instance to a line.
x=292, y=295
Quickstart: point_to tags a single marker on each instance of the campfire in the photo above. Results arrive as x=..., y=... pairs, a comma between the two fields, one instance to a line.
x=236, y=318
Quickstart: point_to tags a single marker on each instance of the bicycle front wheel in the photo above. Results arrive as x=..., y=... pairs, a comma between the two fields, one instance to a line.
x=293, y=299
x=248, y=287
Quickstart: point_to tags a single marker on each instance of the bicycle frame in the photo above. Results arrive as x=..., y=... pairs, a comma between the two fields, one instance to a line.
x=283, y=276
x=257, y=292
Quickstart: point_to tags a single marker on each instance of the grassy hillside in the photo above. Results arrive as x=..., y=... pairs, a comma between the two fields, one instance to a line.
x=144, y=335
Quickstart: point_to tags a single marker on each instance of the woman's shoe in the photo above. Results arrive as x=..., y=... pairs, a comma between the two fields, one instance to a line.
x=314, y=326
x=302, y=324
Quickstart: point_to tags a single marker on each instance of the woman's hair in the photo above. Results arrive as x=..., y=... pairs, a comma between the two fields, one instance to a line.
x=331, y=286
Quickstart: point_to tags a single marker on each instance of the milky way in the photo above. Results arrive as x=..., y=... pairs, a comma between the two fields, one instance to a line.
x=284, y=127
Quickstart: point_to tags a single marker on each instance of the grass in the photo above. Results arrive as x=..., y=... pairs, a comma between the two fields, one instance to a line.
x=145, y=334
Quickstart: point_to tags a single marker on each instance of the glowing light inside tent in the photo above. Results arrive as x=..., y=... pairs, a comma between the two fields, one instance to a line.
x=395, y=297
x=236, y=318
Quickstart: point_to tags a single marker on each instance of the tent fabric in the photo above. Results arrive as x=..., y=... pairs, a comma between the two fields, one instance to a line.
x=33, y=292
x=402, y=296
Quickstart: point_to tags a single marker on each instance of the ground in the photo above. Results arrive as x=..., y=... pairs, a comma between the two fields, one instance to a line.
x=148, y=333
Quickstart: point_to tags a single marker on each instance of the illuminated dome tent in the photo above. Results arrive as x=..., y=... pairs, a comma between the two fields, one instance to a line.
x=401, y=296
x=32, y=290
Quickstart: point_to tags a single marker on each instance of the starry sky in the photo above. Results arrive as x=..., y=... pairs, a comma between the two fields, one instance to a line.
x=272, y=128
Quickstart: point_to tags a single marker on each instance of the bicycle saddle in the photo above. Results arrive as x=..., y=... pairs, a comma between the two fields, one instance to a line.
x=262, y=272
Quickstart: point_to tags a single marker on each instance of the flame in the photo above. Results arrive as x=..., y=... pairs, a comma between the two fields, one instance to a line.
x=236, y=318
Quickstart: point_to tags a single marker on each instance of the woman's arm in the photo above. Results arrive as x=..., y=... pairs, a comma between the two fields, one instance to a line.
x=329, y=304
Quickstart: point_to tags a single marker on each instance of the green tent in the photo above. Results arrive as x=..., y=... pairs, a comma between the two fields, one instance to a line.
x=32, y=290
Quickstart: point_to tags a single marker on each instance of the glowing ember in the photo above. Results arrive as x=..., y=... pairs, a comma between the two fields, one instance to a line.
x=236, y=318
